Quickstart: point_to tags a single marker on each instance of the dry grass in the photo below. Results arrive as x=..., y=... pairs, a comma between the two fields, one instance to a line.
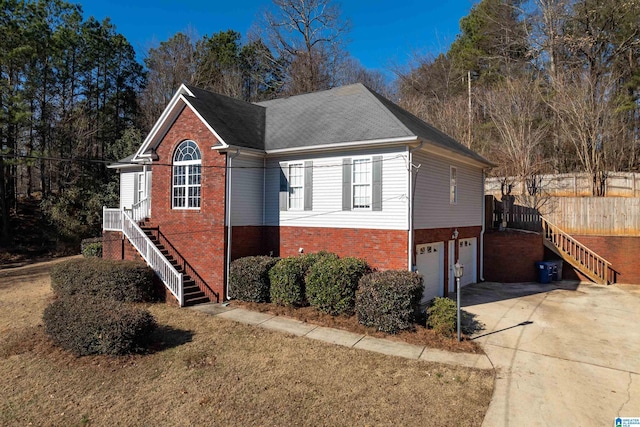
x=209, y=371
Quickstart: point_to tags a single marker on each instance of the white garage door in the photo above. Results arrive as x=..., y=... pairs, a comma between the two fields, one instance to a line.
x=468, y=250
x=430, y=264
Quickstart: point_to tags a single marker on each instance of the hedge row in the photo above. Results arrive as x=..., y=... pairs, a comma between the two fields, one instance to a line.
x=87, y=325
x=128, y=281
x=386, y=300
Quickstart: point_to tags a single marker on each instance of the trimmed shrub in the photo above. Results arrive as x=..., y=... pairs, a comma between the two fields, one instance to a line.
x=91, y=247
x=287, y=278
x=249, y=278
x=388, y=300
x=332, y=282
x=87, y=325
x=129, y=281
x=442, y=316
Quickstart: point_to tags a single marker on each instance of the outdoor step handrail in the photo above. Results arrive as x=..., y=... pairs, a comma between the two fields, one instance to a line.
x=186, y=267
x=590, y=260
x=171, y=278
x=111, y=219
x=140, y=209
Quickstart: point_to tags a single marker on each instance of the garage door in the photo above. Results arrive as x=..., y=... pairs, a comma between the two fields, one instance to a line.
x=430, y=264
x=467, y=251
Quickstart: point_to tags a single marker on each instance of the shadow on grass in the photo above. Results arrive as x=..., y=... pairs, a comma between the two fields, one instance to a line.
x=166, y=337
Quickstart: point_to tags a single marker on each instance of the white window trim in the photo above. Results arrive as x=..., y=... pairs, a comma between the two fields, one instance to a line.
x=141, y=189
x=187, y=164
x=354, y=160
x=453, y=185
x=289, y=166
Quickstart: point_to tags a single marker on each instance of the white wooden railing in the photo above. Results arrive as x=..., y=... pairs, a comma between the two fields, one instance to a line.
x=111, y=219
x=122, y=220
x=588, y=262
x=140, y=211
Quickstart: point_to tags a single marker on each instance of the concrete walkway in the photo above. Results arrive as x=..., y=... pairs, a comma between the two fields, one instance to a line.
x=564, y=353
x=345, y=338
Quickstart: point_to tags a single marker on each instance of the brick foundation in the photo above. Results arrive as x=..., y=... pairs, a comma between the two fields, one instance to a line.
x=383, y=249
x=510, y=256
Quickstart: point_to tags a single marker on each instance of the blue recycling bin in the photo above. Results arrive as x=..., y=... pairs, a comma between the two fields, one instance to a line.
x=545, y=271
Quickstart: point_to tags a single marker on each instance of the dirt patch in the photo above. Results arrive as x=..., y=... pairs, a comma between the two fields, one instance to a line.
x=210, y=371
x=420, y=336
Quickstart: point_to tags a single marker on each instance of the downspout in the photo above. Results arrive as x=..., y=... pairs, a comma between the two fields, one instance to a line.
x=229, y=229
x=411, y=190
x=484, y=219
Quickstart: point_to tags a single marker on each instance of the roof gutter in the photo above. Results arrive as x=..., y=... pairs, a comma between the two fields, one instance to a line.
x=325, y=147
x=228, y=214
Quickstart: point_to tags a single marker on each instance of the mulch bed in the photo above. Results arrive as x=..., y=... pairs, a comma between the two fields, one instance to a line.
x=420, y=336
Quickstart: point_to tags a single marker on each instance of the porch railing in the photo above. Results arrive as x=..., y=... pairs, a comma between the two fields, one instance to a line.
x=590, y=263
x=140, y=210
x=171, y=278
x=111, y=219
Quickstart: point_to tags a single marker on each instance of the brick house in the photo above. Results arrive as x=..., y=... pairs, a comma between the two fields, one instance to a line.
x=343, y=170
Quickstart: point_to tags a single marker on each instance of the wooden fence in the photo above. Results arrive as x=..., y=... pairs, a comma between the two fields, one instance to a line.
x=598, y=216
x=602, y=216
x=617, y=184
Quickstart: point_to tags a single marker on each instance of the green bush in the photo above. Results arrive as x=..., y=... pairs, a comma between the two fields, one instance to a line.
x=442, y=316
x=91, y=248
x=129, y=281
x=249, y=278
x=388, y=300
x=87, y=325
x=332, y=282
x=287, y=278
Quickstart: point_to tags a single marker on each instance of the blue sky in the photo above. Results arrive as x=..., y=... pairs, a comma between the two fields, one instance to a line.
x=384, y=33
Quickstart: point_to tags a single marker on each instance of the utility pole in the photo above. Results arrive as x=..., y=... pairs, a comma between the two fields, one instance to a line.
x=469, y=118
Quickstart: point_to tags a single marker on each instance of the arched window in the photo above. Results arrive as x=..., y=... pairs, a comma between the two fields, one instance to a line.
x=186, y=176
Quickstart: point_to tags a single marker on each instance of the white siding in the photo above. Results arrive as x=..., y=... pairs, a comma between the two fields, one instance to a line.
x=327, y=193
x=247, y=177
x=127, y=188
x=432, y=208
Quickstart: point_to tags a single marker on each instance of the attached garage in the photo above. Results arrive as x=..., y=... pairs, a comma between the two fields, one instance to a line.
x=468, y=256
x=430, y=264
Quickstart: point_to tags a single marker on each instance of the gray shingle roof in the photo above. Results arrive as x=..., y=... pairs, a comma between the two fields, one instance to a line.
x=346, y=114
x=237, y=122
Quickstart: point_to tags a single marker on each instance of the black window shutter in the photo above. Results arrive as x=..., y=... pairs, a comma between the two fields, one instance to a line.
x=308, y=186
x=376, y=191
x=284, y=188
x=346, y=184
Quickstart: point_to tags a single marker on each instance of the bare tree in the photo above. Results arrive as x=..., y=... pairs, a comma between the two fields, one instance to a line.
x=309, y=35
x=583, y=105
x=170, y=64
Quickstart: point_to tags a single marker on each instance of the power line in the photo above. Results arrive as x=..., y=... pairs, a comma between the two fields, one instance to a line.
x=110, y=162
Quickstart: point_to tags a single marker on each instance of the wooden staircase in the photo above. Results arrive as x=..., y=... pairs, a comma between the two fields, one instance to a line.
x=590, y=264
x=191, y=291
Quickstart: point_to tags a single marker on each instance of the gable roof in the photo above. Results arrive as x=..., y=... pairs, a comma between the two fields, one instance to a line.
x=237, y=122
x=337, y=118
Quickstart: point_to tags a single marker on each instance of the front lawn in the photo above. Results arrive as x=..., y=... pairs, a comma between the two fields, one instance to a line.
x=205, y=370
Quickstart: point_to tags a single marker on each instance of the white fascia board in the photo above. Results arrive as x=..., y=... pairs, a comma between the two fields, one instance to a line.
x=177, y=98
x=355, y=144
x=449, y=154
x=244, y=150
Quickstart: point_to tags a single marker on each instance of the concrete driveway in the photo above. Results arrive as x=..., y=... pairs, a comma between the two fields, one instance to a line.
x=564, y=353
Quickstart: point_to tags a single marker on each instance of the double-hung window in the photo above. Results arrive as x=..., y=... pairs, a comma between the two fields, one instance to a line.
x=187, y=163
x=296, y=186
x=361, y=184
